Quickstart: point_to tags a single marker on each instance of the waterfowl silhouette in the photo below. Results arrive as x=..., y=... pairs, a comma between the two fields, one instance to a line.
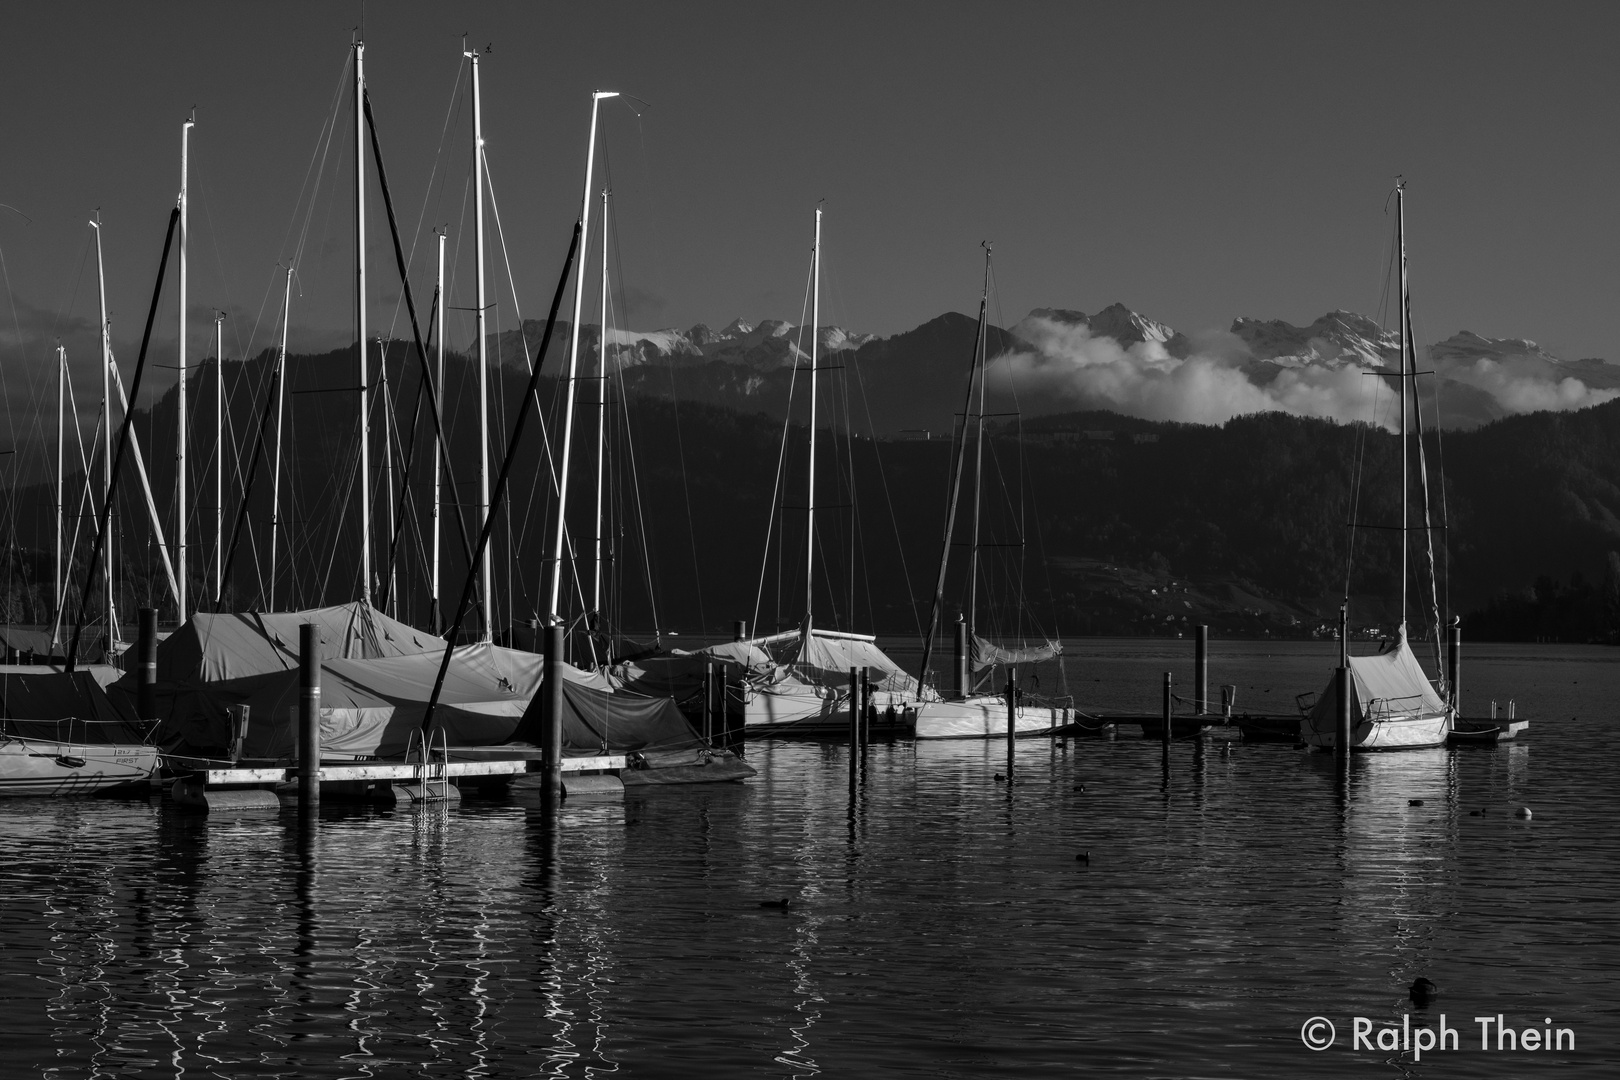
x=1421, y=991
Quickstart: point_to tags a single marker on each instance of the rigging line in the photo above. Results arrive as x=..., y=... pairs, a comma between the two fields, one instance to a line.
x=888, y=498
x=350, y=472
x=545, y=436
x=438, y=156
x=630, y=449
x=322, y=144
x=781, y=458
x=641, y=519
x=123, y=439
x=499, y=492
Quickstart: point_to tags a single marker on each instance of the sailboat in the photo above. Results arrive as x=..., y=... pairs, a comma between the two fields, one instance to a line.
x=1393, y=703
x=967, y=714
x=798, y=681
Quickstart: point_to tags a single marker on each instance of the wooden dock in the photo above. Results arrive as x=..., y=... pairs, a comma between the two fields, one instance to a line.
x=211, y=785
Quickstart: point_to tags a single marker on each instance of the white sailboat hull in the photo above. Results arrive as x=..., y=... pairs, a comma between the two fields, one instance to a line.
x=806, y=710
x=48, y=767
x=984, y=716
x=1413, y=731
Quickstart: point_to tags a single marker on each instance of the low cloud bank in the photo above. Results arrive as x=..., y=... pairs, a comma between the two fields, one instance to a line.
x=1067, y=366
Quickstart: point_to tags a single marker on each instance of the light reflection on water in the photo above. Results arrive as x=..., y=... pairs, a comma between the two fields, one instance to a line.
x=940, y=925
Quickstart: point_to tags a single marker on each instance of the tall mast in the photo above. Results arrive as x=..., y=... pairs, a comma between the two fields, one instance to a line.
x=61, y=421
x=978, y=457
x=388, y=460
x=1400, y=235
x=485, y=578
x=219, y=452
x=438, y=614
x=553, y=608
x=106, y=435
x=275, y=467
x=360, y=313
x=601, y=419
x=180, y=430
x=956, y=480
x=810, y=504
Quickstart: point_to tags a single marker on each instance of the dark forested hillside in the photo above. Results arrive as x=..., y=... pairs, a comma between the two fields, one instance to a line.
x=1091, y=523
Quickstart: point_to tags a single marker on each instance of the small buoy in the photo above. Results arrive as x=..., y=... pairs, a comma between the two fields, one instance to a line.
x=1522, y=812
x=782, y=904
x=1421, y=991
x=1084, y=856
x=1414, y=802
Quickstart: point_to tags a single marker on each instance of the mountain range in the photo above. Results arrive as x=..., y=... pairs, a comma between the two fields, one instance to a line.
x=1058, y=360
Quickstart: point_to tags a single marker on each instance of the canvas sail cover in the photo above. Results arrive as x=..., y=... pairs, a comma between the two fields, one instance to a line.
x=598, y=722
x=211, y=647
x=986, y=653
x=1389, y=684
x=825, y=660
x=58, y=705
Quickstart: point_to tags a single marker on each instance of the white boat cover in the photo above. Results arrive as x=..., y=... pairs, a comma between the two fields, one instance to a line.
x=209, y=647
x=1386, y=685
x=826, y=660
x=986, y=653
x=369, y=707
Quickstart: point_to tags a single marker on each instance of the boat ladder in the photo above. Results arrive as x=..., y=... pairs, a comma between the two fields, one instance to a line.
x=429, y=752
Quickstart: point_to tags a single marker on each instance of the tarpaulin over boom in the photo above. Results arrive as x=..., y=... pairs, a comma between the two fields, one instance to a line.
x=596, y=721
x=1387, y=685
x=231, y=646
x=988, y=654
x=55, y=704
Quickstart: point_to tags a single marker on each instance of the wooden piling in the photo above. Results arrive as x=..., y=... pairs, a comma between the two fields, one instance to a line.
x=1165, y=735
x=960, y=659
x=1341, y=690
x=309, y=716
x=146, y=668
x=1454, y=664
x=1012, y=718
x=1342, y=687
x=708, y=705
x=854, y=727
x=551, y=714
x=1201, y=663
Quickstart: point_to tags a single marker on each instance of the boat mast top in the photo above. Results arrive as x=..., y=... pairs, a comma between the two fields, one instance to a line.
x=1400, y=235
x=553, y=609
x=810, y=503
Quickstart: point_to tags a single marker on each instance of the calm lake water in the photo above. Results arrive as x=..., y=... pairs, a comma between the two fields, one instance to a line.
x=940, y=925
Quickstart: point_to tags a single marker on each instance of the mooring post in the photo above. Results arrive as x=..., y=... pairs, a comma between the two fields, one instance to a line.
x=854, y=727
x=1201, y=663
x=739, y=630
x=309, y=716
x=1454, y=665
x=551, y=715
x=1165, y=735
x=1012, y=718
x=146, y=669
x=708, y=705
x=864, y=697
x=1341, y=687
x=960, y=658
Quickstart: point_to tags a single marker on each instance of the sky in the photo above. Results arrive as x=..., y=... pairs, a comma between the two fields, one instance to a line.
x=1196, y=162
